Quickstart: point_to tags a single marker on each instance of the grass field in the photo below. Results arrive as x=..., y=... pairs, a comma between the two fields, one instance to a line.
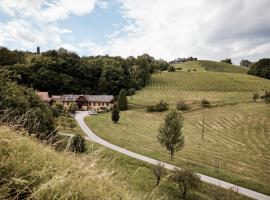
x=29, y=168
x=205, y=65
x=238, y=137
x=194, y=86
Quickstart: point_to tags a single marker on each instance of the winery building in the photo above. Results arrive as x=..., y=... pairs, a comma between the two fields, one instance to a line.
x=88, y=102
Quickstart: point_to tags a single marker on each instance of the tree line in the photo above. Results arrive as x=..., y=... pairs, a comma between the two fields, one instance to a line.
x=63, y=72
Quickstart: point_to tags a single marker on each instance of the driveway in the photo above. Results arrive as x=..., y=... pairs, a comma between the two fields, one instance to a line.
x=93, y=137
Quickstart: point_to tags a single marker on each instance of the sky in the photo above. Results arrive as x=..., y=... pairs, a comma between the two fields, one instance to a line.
x=167, y=29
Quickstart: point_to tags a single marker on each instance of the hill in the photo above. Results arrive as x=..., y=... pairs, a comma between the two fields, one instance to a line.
x=30, y=169
x=206, y=65
x=194, y=86
x=235, y=137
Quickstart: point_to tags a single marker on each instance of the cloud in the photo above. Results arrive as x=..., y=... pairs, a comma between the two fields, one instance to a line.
x=208, y=29
x=45, y=10
x=28, y=36
x=34, y=22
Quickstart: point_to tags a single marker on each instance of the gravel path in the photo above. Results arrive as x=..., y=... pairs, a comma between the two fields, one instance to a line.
x=93, y=137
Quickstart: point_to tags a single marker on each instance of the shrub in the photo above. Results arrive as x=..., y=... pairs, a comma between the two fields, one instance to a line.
x=131, y=91
x=266, y=97
x=255, y=96
x=20, y=107
x=182, y=106
x=171, y=68
x=76, y=143
x=205, y=103
x=186, y=180
x=261, y=68
x=160, y=107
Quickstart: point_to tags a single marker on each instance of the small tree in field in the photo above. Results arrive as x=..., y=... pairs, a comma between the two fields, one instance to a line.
x=186, y=180
x=115, y=114
x=170, y=135
x=159, y=170
x=122, y=102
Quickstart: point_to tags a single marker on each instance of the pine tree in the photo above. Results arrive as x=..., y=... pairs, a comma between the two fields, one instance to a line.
x=170, y=134
x=122, y=102
x=115, y=114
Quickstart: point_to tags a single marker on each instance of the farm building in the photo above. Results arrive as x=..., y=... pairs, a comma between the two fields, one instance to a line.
x=44, y=96
x=88, y=102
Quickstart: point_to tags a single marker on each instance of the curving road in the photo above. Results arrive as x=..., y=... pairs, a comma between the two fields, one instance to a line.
x=93, y=137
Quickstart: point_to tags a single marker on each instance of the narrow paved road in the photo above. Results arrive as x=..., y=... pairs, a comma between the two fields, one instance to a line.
x=93, y=137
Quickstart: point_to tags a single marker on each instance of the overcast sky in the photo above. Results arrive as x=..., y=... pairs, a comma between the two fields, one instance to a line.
x=168, y=29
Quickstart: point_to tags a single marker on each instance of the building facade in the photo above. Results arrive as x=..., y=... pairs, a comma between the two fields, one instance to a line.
x=88, y=102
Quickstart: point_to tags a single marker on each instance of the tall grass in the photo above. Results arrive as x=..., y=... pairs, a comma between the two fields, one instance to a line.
x=31, y=170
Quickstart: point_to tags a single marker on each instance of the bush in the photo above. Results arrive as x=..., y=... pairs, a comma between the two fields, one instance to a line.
x=182, y=106
x=261, y=68
x=20, y=107
x=266, y=97
x=76, y=144
x=205, y=103
x=255, y=96
x=186, y=179
x=160, y=107
x=131, y=91
x=171, y=68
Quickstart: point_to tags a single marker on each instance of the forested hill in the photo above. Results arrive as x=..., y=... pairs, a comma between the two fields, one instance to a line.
x=61, y=71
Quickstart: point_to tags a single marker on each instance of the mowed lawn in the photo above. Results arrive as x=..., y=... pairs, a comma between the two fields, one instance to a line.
x=194, y=86
x=237, y=137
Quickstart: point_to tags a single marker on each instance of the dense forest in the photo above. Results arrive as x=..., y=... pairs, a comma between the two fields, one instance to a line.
x=261, y=68
x=64, y=72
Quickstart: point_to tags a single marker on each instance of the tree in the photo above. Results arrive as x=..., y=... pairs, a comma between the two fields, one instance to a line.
x=115, y=114
x=170, y=135
x=72, y=108
x=159, y=170
x=171, y=68
x=186, y=180
x=261, y=68
x=76, y=143
x=122, y=102
x=227, y=60
x=245, y=63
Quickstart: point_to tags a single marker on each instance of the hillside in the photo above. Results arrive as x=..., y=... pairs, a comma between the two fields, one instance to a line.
x=206, y=65
x=194, y=86
x=235, y=136
x=31, y=169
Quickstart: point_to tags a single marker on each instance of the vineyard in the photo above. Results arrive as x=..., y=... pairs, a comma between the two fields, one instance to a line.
x=236, y=137
x=190, y=86
x=206, y=65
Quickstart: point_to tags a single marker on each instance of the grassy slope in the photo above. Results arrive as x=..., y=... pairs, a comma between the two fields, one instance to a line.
x=194, y=86
x=28, y=168
x=206, y=65
x=236, y=136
